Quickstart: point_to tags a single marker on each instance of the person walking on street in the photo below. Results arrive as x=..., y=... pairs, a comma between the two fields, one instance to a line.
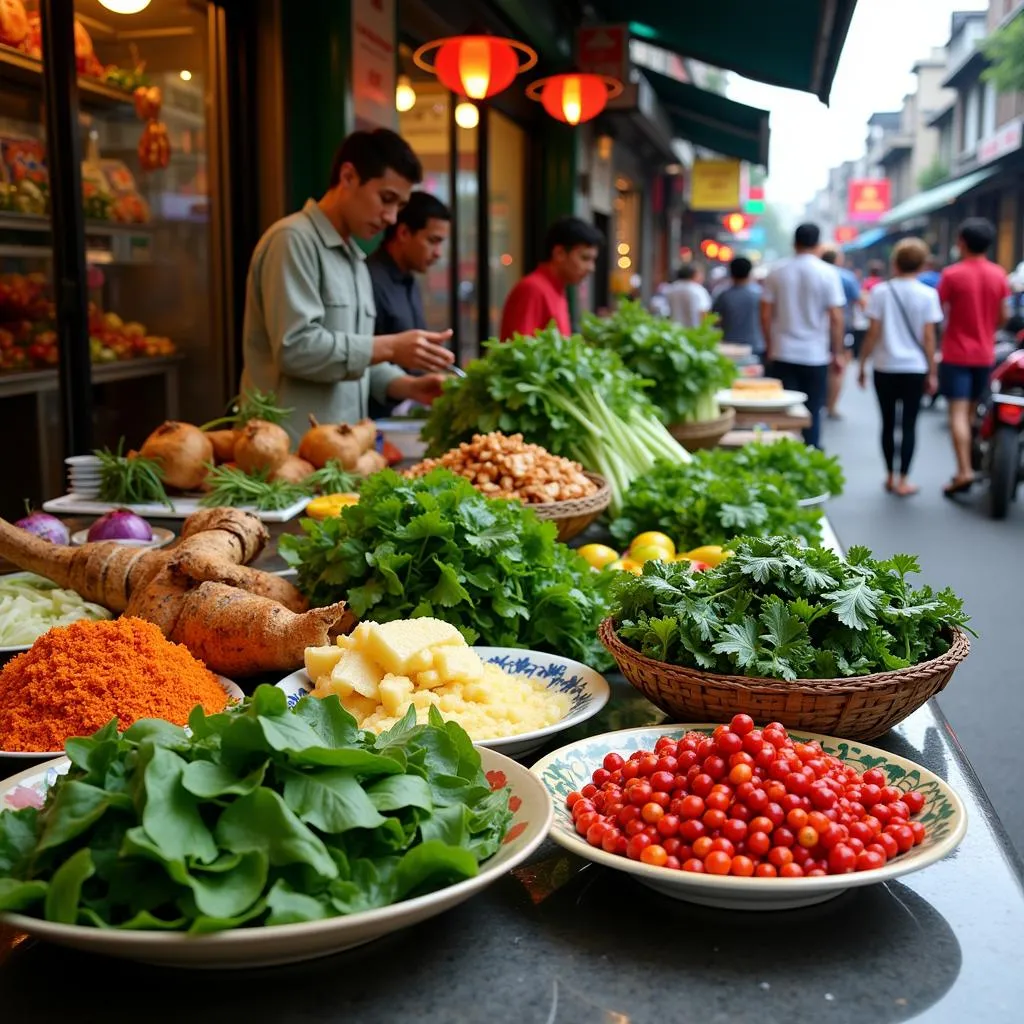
x=688, y=299
x=876, y=275
x=973, y=293
x=308, y=333
x=851, y=290
x=738, y=308
x=571, y=247
x=903, y=314
x=802, y=323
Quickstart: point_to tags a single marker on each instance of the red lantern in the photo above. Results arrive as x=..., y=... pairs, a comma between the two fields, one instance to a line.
x=476, y=66
x=574, y=98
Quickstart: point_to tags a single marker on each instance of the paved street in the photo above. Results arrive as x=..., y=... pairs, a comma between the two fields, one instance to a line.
x=960, y=546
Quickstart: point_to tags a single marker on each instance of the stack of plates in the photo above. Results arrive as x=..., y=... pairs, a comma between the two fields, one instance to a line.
x=83, y=475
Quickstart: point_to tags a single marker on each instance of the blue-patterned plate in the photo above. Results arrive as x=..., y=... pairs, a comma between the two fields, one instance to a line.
x=587, y=689
x=943, y=816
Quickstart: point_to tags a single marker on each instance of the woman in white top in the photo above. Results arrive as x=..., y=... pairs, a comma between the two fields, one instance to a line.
x=902, y=314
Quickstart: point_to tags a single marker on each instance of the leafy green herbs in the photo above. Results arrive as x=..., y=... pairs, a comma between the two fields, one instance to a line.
x=251, y=405
x=683, y=364
x=332, y=479
x=565, y=395
x=262, y=815
x=710, y=501
x=808, y=470
x=231, y=486
x=781, y=610
x=436, y=546
x=130, y=479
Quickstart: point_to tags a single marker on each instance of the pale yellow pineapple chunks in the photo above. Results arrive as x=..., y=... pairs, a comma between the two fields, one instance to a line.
x=405, y=646
x=320, y=661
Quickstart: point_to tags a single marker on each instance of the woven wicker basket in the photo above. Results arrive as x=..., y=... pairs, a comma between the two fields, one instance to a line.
x=574, y=516
x=705, y=434
x=857, y=708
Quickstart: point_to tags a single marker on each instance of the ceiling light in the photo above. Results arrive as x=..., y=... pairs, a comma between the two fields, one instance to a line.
x=405, y=95
x=466, y=115
x=185, y=75
x=125, y=6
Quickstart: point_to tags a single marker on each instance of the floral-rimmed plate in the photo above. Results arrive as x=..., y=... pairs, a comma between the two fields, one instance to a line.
x=288, y=943
x=234, y=692
x=943, y=815
x=588, y=692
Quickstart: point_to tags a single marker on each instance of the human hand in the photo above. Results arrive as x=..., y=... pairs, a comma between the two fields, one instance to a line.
x=838, y=364
x=862, y=376
x=422, y=350
x=420, y=389
x=931, y=385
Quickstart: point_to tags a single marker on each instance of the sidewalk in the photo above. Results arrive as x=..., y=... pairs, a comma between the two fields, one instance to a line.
x=961, y=547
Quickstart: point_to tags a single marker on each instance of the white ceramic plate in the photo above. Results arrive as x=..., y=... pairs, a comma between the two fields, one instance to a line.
x=234, y=692
x=818, y=499
x=757, y=402
x=288, y=943
x=943, y=815
x=160, y=538
x=588, y=690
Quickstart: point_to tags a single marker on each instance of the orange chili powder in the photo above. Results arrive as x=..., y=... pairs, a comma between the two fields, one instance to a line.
x=76, y=678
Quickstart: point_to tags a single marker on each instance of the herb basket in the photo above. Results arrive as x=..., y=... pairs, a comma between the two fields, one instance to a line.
x=574, y=516
x=704, y=434
x=856, y=708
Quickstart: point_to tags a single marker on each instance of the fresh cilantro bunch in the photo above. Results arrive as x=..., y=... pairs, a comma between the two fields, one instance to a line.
x=436, y=546
x=567, y=396
x=809, y=470
x=262, y=815
x=784, y=611
x=684, y=363
x=710, y=501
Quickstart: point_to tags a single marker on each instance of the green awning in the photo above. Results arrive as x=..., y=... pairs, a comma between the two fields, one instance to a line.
x=712, y=121
x=934, y=198
x=795, y=44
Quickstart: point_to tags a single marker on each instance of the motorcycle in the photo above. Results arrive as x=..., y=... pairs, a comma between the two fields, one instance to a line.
x=1000, y=432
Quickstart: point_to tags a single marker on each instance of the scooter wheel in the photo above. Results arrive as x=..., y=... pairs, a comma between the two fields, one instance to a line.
x=1004, y=470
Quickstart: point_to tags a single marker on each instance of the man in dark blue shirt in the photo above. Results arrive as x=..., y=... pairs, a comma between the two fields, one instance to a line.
x=411, y=246
x=738, y=307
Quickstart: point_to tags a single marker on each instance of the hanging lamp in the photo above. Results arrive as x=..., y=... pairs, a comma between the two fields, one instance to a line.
x=476, y=67
x=575, y=97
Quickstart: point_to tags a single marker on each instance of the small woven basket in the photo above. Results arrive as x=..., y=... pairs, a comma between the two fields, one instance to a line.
x=855, y=708
x=705, y=434
x=574, y=516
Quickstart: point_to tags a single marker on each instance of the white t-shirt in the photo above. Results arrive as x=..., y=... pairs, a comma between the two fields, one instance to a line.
x=897, y=351
x=802, y=291
x=688, y=302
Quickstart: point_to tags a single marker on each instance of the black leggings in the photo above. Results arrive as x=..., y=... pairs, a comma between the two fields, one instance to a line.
x=892, y=388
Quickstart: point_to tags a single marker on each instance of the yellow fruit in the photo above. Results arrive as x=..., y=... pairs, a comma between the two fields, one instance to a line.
x=650, y=552
x=712, y=554
x=625, y=565
x=330, y=505
x=598, y=555
x=652, y=538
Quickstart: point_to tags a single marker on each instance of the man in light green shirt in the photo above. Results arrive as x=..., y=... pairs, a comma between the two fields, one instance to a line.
x=308, y=334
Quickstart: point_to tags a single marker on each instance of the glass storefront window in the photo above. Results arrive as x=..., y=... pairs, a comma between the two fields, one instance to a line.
x=506, y=209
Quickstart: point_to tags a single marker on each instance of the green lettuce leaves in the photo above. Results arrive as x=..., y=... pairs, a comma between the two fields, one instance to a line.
x=262, y=815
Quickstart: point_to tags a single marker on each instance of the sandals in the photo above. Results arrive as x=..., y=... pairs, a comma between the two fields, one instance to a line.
x=954, y=487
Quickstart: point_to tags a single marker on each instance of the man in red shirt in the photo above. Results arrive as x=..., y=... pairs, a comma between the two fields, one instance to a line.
x=973, y=293
x=571, y=248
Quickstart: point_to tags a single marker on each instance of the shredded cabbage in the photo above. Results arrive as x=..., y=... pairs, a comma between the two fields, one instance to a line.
x=30, y=605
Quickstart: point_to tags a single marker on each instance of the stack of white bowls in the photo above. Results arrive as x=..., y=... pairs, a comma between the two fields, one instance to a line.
x=83, y=475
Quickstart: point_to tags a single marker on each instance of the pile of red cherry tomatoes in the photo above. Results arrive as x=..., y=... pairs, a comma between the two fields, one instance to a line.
x=745, y=802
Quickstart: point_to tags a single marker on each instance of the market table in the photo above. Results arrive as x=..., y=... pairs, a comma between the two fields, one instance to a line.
x=796, y=417
x=561, y=940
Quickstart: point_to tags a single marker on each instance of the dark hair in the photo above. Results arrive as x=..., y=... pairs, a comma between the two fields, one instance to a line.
x=570, y=233
x=876, y=268
x=740, y=268
x=373, y=153
x=977, y=234
x=830, y=256
x=807, y=236
x=417, y=213
x=687, y=272
x=909, y=255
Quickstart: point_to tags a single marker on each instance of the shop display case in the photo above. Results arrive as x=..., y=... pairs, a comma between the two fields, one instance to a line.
x=144, y=86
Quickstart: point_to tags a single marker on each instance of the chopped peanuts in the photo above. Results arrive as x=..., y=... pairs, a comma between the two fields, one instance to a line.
x=504, y=466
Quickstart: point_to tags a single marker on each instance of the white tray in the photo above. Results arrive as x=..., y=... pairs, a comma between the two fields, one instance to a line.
x=181, y=508
x=768, y=402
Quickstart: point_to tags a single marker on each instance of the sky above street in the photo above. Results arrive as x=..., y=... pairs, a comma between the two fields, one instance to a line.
x=807, y=138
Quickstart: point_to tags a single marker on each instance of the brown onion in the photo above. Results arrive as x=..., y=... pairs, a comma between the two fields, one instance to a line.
x=322, y=443
x=293, y=470
x=261, y=445
x=223, y=442
x=183, y=453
